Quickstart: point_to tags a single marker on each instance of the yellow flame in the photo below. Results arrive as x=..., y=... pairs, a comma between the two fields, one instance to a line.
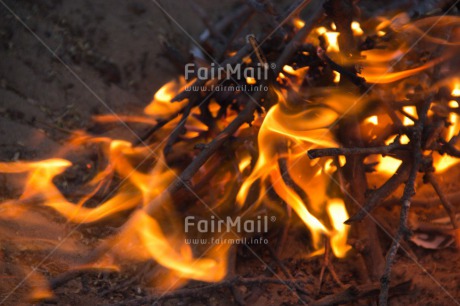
x=161, y=106
x=388, y=165
x=332, y=39
x=445, y=162
x=336, y=77
x=356, y=27
x=338, y=215
x=306, y=129
x=372, y=120
x=289, y=69
x=40, y=184
x=179, y=260
x=244, y=163
x=411, y=110
x=53, y=165
x=383, y=75
x=251, y=81
x=321, y=30
x=456, y=90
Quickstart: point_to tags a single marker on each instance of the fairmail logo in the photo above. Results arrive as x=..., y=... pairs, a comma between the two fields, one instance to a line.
x=229, y=224
x=227, y=72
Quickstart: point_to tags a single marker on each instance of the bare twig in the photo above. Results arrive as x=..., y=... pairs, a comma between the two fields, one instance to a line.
x=245, y=116
x=161, y=123
x=383, y=150
x=352, y=76
x=328, y=265
x=450, y=209
x=409, y=191
x=180, y=128
x=379, y=195
x=342, y=12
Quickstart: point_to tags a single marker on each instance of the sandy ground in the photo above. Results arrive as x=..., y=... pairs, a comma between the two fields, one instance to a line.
x=72, y=59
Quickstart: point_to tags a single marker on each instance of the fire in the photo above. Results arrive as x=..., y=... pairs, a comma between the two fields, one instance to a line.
x=388, y=165
x=445, y=162
x=251, y=81
x=456, y=91
x=244, y=163
x=383, y=74
x=379, y=65
x=373, y=120
x=338, y=214
x=412, y=111
x=375, y=56
x=336, y=77
x=280, y=173
x=161, y=106
x=356, y=27
x=331, y=38
x=304, y=130
x=298, y=23
x=289, y=69
x=143, y=238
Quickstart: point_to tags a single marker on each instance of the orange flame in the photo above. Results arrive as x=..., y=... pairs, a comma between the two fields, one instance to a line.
x=338, y=214
x=305, y=130
x=160, y=107
x=383, y=74
x=143, y=238
x=445, y=162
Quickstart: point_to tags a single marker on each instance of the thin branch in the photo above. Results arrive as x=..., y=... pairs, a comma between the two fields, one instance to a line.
x=383, y=150
x=246, y=116
x=445, y=202
x=353, y=77
x=161, y=123
x=180, y=128
x=409, y=191
x=379, y=195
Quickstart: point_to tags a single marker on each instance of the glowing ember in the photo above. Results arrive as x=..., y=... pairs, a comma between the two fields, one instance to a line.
x=298, y=23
